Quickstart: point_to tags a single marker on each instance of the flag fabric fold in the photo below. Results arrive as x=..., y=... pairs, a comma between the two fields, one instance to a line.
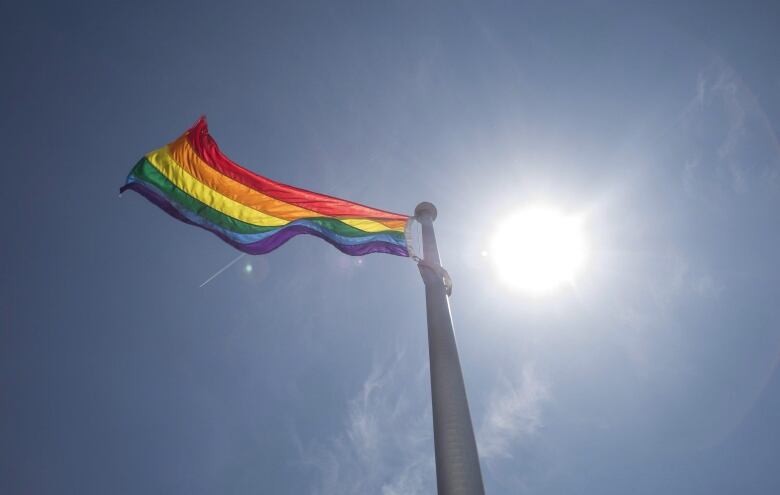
x=193, y=181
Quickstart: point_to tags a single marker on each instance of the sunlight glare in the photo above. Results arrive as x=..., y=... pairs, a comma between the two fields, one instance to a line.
x=539, y=249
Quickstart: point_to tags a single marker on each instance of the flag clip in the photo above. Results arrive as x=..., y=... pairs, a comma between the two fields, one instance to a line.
x=441, y=273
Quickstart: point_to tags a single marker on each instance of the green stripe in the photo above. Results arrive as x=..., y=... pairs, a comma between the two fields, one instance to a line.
x=144, y=171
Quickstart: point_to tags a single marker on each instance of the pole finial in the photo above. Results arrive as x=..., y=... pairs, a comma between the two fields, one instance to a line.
x=425, y=209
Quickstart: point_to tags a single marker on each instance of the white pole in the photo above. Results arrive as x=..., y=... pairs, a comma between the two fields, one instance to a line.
x=457, y=461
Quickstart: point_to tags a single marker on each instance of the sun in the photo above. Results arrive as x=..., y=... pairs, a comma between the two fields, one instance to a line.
x=539, y=249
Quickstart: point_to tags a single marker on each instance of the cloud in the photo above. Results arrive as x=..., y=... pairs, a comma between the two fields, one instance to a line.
x=386, y=444
x=673, y=277
x=732, y=139
x=514, y=413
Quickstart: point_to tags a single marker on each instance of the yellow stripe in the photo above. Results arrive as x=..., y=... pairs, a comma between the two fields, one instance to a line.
x=163, y=161
x=368, y=225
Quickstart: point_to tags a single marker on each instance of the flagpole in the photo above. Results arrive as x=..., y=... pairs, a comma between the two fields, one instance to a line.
x=457, y=461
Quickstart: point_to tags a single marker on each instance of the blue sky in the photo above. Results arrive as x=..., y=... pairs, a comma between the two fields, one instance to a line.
x=655, y=373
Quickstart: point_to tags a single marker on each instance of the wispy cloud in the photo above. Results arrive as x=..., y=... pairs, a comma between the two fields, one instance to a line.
x=386, y=445
x=514, y=413
x=675, y=276
x=730, y=131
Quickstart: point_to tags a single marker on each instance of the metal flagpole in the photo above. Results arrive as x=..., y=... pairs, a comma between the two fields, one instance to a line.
x=457, y=462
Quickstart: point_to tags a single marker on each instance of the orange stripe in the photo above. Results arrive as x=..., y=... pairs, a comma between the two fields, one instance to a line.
x=185, y=156
x=329, y=206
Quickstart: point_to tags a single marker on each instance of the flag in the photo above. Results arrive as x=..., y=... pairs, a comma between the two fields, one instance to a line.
x=193, y=181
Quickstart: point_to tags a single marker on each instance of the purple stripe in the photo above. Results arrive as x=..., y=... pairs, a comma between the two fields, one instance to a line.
x=275, y=240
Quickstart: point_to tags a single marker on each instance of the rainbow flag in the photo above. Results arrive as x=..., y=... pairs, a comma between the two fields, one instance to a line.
x=194, y=182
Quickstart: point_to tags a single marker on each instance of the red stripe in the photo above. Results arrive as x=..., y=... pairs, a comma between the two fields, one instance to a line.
x=205, y=146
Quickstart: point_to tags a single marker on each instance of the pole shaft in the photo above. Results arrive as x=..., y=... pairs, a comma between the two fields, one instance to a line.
x=457, y=461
